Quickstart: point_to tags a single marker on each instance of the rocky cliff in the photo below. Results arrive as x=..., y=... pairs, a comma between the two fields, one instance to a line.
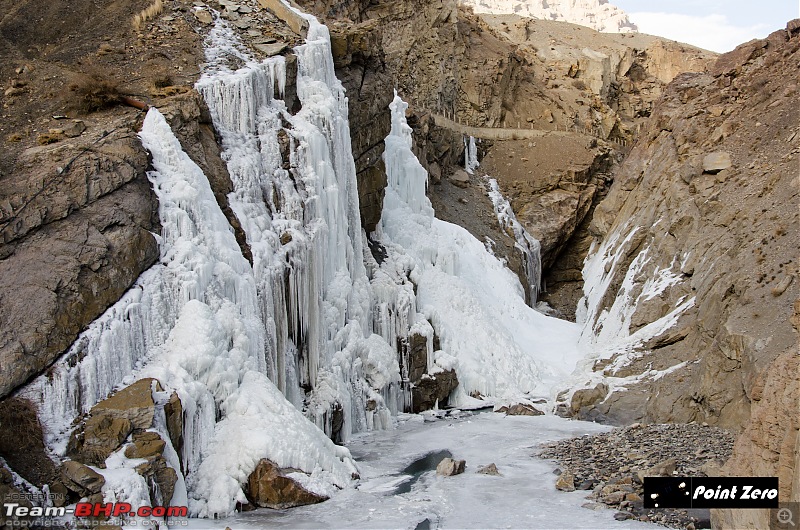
x=691, y=280
x=595, y=14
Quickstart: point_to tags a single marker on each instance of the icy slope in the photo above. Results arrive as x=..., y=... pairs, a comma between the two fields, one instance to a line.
x=499, y=346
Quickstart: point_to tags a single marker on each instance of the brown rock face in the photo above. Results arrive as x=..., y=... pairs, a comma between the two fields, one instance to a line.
x=101, y=436
x=431, y=389
x=269, y=488
x=81, y=479
x=726, y=241
x=770, y=444
x=72, y=243
x=111, y=421
x=22, y=442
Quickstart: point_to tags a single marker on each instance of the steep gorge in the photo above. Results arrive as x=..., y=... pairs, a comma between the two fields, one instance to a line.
x=707, y=362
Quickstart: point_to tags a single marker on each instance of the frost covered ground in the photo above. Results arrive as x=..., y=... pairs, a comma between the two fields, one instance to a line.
x=523, y=497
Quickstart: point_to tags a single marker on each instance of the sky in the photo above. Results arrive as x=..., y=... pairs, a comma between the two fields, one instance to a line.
x=716, y=25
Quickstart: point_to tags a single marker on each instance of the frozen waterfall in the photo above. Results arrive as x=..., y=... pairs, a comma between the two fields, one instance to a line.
x=307, y=344
x=500, y=347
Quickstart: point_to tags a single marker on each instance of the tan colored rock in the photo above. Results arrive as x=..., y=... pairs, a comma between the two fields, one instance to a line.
x=460, y=178
x=269, y=488
x=770, y=444
x=664, y=469
x=81, y=479
x=713, y=163
x=145, y=445
x=449, y=467
x=566, y=482
x=271, y=49
x=133, y=403
x=74, y=129
x=203, y=16
x=490, y=469
x=588, y=397
x=98, y=438
x=520, y=409
x=298, y=24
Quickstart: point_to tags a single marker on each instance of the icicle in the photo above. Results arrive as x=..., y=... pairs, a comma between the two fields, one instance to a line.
x=470, y=155
x=529, y=246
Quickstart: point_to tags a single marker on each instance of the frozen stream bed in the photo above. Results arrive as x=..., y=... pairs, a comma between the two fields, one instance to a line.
x=523, y=497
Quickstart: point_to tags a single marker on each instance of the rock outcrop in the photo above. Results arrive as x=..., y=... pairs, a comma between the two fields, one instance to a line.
x=126, y=416
x=690, y=282
x=269, y=487
x=596, y=14
x=770, y=444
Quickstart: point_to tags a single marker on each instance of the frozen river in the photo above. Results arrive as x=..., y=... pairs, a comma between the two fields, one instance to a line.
x=387, y=497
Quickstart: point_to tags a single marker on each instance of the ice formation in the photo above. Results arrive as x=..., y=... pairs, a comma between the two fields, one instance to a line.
x=254, y=352
x=470, y=155
x=606, y=331
x=273, y=359
x=499, y=346
x=528, y=246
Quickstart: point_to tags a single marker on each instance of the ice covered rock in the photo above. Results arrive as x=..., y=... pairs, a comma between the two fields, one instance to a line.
x=432, y=389
x=449, y=467
x=270, y=487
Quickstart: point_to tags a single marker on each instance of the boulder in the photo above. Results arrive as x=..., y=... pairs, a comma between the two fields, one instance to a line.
x=271, y=49
x=269, y=487
x=432, y=389
x=566, y=482
x=664, y=469
x=587, y=397
x=145, y=445
x=460, y=178
x=74, y=128
x=133, y=403
x=521, y=409
x=449, y=467
x=203, y=16
x=491, y=469
x=81, y=479
x=715, y=162
x=100, y=436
